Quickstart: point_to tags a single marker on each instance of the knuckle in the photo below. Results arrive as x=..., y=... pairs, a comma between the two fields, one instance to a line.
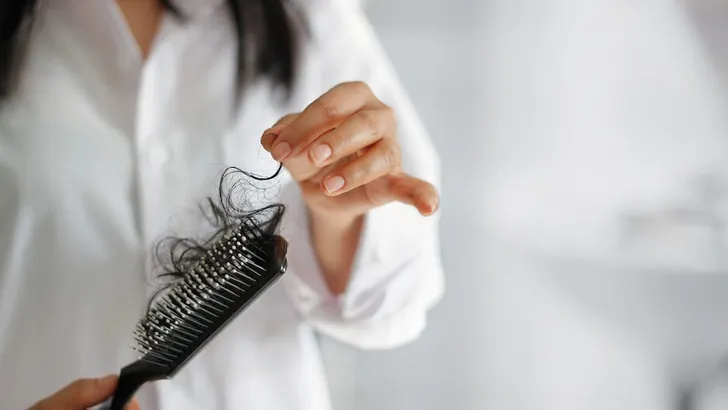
x=337, y=141
x=81, y=387
x=370, y=122
x=356, y=174
x=78, y=384
x=391, y=156
x=424, y=190
x=390, y=117
x=286, y=119
x=359, y=86
x=326, y=107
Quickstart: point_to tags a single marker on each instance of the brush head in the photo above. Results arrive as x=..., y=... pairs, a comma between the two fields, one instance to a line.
x=227, y=279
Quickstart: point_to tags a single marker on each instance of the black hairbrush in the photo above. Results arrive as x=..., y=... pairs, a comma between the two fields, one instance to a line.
x=223, y=282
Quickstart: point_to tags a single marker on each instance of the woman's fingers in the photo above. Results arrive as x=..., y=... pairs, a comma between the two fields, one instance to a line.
x=389, y=188
x=87, y=392
x=287, y=119
x=359, y=133
x=271, y=134
x=381, y=159
x=80, y=394
x=133, y=405
x=342, y=149
x=322, y=115
x=363, y=129
x=406, y=189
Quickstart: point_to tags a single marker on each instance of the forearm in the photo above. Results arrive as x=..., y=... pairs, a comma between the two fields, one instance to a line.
x=335, y=242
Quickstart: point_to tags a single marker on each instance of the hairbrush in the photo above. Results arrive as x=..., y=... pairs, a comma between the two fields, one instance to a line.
x=216, y=281
x=226, y=280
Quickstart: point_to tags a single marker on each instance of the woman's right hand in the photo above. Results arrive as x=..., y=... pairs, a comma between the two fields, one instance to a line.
x=81, y=395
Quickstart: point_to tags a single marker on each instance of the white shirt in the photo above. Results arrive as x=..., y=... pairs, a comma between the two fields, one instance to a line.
x=102, y=155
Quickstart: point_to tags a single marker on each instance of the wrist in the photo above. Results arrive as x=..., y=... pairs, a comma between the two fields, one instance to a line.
x=334, y=220
x=335, y=237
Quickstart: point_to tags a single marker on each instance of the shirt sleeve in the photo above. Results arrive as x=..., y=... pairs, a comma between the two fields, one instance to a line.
x=397, y=274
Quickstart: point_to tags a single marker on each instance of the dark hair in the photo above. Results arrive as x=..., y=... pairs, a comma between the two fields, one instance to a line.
x=266, y=30
x=232, y=211
x=267, y=26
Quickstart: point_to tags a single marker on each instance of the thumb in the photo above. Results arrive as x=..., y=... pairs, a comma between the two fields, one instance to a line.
x=405, y=189
x=84, y=393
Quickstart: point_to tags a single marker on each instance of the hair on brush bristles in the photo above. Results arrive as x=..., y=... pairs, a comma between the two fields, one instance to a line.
x=233, y=211
x=213, y=281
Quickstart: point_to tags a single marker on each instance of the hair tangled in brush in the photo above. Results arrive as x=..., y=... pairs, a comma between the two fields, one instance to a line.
x=231, y=212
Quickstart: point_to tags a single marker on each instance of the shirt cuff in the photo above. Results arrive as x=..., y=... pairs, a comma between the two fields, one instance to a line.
x=396, y=275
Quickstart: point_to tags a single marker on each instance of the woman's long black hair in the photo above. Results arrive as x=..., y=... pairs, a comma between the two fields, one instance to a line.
x=266, y=31
x=266, y=26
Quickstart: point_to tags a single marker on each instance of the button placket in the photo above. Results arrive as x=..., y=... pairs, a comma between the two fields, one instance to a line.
x=153, y=150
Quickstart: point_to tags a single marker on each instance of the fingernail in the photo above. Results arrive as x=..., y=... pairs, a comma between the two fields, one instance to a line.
x=321, y=153
x=428, y=207
x=334, y=184
x=281, y=151
x=433, y=206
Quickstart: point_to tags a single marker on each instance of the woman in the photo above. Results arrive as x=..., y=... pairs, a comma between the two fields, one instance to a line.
x=119, y=116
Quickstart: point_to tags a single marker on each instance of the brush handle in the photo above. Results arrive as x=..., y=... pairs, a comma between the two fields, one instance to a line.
x=131, y=379
x=123, y=394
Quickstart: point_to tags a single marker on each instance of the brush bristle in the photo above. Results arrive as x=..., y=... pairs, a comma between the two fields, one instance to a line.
x=228, y=277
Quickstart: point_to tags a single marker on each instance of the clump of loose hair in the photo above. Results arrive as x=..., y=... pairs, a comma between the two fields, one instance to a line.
x=232, y=212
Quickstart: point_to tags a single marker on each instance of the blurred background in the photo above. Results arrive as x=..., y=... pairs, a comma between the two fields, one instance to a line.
x=584, y=207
